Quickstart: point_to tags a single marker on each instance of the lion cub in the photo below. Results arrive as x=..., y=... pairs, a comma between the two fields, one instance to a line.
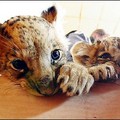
x=102, y=58
x=32, y=55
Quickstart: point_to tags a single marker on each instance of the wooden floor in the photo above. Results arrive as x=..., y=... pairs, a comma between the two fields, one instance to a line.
x=103, y=101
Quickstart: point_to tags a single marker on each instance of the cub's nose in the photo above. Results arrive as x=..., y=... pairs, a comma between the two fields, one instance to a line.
x=43, y=86
x=47, y=86
x=45, y=81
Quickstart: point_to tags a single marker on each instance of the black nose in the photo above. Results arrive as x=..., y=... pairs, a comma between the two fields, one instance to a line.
x=48, y=82
x=45, y=81
x=46, y=86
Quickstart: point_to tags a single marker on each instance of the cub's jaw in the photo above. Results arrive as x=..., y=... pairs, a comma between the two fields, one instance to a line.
x=39, y=87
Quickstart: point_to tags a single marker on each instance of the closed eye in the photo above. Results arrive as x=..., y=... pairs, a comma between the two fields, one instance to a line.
x=105, y=56
x=85, y=57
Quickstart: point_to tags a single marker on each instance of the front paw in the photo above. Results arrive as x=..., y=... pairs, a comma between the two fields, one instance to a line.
x=103, y=72
x=74, y=79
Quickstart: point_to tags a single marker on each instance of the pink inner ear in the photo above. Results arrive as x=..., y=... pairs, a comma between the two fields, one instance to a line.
x=50, y=14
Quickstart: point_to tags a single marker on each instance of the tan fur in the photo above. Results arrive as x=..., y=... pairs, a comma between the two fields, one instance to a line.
x=27, y=50
x=50, y=15
x=92, y=56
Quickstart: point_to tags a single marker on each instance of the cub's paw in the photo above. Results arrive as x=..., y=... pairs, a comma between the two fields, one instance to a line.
x=103, y=72
x=74, y=79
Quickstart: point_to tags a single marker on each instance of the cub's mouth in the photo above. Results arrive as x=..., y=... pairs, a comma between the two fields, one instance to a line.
x=40, y=87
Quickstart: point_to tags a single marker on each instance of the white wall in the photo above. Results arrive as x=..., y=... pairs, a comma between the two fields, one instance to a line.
x=83, y=15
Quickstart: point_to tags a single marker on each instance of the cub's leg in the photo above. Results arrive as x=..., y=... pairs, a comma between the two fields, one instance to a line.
x=103, y=71
x=74, y=79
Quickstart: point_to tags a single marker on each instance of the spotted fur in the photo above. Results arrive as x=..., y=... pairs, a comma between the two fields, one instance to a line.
x=102, y=58
x=32, y=55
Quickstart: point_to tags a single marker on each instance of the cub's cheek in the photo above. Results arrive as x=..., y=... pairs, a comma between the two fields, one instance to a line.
x=27, y=88
x=43, y=87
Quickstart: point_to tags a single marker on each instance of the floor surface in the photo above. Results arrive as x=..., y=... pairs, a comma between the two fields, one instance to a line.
x=103, y=101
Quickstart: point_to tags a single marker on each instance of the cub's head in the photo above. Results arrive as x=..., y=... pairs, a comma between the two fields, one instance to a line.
x=98, y=53
x=31, y=52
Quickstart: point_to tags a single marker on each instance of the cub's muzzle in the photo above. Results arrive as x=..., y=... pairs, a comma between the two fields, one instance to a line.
x=41, y=87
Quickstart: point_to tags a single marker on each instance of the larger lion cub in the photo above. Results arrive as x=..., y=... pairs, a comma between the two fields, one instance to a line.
x=33, y=56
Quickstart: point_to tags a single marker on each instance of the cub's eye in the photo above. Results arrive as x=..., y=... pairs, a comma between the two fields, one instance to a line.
x=19, y=65
x=105, y=56
x=85, y=57
x=55, y=55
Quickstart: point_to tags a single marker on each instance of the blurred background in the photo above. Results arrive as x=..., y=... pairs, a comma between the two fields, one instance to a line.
x=83, y=15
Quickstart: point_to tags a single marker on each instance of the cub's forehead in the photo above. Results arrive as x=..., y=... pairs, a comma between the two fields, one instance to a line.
x=112, y=41
x=31, y=32
x=37, y=24
x=22, y=29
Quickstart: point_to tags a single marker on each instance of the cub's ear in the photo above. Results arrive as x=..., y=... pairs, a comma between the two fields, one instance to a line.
x=50, y=14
